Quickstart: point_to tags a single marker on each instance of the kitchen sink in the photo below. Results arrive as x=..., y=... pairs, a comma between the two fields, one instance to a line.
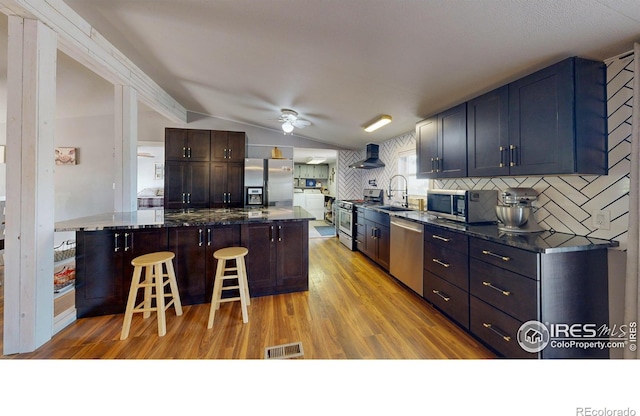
x=394, y=208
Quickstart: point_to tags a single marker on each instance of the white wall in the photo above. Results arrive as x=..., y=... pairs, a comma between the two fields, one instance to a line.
x=87, y=187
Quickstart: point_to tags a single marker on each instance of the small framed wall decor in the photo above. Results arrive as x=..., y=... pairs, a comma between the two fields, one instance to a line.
x=65, y=155
x=159, y=170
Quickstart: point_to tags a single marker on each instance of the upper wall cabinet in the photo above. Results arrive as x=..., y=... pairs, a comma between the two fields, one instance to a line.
x=550, y=122
x=441, y=144
x=557, y=120
x=228, y=146
x=487, y=133
x=187, y=145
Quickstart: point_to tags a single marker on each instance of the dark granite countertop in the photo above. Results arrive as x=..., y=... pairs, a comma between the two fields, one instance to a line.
x=540, y=242
x=182, y=218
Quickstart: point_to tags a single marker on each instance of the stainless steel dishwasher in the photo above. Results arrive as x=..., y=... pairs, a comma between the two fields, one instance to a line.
x=407, y=241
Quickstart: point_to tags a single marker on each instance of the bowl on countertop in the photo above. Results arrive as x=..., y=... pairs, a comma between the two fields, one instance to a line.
x=513, y=216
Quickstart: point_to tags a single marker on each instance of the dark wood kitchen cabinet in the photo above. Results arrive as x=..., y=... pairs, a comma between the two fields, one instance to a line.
x=441, y=144
x=186, y=185
x=103, y=266
x=446, y=272
x=488, y=133
x=510, y=286
x=187, y=145
x=204, y=168
x=228, y=146
x=227, y=185
x=194, y=264
x=277, y=261
x=377, y=237
x=557, y=120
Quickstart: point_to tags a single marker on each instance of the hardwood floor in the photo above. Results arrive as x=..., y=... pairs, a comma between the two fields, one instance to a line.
x=353, y=310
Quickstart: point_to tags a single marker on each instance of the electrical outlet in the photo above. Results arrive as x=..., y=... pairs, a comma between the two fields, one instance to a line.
x=601, y=219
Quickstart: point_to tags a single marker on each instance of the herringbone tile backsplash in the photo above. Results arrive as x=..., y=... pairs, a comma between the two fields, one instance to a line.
x=566, y=203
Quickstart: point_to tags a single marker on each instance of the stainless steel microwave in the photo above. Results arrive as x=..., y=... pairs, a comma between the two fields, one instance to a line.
x=468, y=206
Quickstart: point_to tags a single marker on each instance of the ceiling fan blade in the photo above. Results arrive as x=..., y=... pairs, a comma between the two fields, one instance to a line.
x=301, y=123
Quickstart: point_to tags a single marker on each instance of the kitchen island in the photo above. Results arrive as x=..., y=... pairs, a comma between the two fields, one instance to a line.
x=277, y=239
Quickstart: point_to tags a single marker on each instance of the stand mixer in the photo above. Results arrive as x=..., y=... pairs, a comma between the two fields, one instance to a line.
x=516, y=211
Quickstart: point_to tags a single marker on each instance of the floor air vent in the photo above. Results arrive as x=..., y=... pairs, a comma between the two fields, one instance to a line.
x=284, y=351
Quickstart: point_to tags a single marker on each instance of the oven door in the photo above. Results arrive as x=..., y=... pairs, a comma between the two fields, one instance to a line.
x=345, y=221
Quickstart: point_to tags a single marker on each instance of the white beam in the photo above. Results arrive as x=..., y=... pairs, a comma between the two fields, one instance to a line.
x=31, y=92
x=78, y=39
x=126, y=146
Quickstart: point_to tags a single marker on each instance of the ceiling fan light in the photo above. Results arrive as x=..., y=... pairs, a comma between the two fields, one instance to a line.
x=382, y=121
x=287, y=127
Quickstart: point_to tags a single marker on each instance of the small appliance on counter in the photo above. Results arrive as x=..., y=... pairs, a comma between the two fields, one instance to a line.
x=516, y=211
x=463, y=205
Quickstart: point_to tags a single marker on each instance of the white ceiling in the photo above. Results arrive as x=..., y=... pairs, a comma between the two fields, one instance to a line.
x=342, y=63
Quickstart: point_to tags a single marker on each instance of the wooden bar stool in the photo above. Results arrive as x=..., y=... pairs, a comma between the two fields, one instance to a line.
x=154, y=278
x=223, y=256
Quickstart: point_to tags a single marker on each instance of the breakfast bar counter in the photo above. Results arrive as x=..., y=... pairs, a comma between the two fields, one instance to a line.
x=276, y=237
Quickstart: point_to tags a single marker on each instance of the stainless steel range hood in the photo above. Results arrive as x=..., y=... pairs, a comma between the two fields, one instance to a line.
x=371, y=161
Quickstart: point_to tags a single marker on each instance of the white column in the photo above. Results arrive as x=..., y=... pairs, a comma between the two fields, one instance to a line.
x=126, y=148
x=31, y=100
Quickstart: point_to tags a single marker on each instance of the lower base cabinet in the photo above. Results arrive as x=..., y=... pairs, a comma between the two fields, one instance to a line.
x=104, y=270
x=194, y=263
x=278, y=260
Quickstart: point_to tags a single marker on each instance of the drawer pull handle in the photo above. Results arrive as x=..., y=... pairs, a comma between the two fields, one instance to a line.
x=437, y=237
x=501, y=257
x=443, y=296
x=503, y=336
x=504, y=292
x=440, y=262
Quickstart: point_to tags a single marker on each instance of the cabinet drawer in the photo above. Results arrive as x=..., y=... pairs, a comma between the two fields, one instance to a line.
x=450, y=239
x=376, y=216
x=514, y=294
x=496, y=328
x=448, y=264
x=452, y=300
x=507, y=257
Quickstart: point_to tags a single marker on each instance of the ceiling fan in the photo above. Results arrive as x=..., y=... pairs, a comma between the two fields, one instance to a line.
x=289, y=120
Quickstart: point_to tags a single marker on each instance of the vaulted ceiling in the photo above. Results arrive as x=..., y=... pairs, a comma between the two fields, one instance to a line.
x=340, y=63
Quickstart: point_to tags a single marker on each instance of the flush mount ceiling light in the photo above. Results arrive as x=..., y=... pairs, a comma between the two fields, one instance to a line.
x=315, y=160
x=376, y=124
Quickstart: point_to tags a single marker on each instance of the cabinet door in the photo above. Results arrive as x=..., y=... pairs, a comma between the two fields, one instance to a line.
x=452, y=143
x=384, y=243
x=427, y=147
x=370, y=247
x=541, y=121
x=259, y=239
x=218, y=237
x=175, y=144
x=219, y=147
x=487, y=134
x=236, y=146
x=218, y=192
x=198, y=145
x=197, y=185
x=174, y=186
x=137, y=243
x=235, y=185
x=292, y=244
x=189, y=246
x=99, y=283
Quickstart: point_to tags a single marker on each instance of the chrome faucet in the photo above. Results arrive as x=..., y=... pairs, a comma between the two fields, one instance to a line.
x=405, y=191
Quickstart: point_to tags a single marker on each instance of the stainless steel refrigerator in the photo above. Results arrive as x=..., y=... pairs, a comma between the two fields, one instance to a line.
x=274, y=176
